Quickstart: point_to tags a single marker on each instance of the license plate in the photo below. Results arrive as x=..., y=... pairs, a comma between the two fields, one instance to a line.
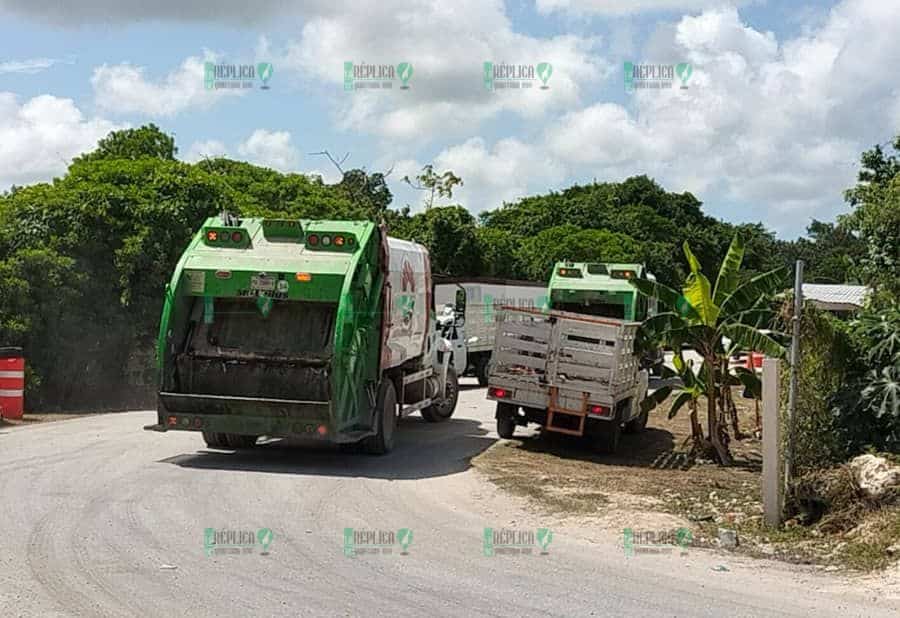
x=262, y=283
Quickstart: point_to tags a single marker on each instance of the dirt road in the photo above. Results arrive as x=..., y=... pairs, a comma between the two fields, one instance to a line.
x=98, y=517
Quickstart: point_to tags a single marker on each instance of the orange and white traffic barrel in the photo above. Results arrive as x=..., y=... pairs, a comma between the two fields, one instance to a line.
x=12, y=382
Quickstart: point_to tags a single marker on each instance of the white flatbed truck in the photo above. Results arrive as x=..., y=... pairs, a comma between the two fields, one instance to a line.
x=569, y=373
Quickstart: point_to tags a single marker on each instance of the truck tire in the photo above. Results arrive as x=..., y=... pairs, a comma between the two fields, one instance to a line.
x=442, y=410
x=606, y=434
x=482, y=366
x=385, y=421
x=239, y=441
x=506, y=420
x=214, y=440
x=638, y=423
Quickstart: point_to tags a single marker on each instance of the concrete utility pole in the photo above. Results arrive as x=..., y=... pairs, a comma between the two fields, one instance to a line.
x=771, y=442
x=795, y=372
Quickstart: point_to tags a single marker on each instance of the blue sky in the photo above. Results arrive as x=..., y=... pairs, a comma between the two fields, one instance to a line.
x=782, y=99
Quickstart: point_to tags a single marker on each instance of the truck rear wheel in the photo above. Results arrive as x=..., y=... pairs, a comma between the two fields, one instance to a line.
x=638, y=423
x=481, y=370
x=214, y=440
x=506, y=421
x=385, y=421
x=605, y=434
x=443, y=409
x=238, y=441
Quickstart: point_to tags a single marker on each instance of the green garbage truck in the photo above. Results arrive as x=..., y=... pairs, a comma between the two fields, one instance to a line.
x=603, y=290
x=300, y=329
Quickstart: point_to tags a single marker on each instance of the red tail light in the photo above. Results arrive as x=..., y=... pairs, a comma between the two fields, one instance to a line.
x=599, y=410
x=312, y=239
x=172, y=421
x=500, y=393
x=236, y=237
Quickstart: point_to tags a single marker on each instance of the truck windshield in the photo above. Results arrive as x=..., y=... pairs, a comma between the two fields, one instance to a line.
x=291, y=328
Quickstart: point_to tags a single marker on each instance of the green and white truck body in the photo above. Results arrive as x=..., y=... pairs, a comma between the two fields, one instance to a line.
x=300, y=328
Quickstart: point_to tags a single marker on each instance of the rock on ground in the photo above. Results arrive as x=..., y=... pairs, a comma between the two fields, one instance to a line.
x=874, y=475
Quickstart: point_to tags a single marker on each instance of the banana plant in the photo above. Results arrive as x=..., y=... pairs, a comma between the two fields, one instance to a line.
x=702, y=316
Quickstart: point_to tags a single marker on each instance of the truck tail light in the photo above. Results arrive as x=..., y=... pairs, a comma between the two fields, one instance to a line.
x=172, y=421
x=212, y=236
x=236, y=237
x=303, y=277
x=599, y=410
x=312, y=240
x=339, y=241
x=499, y=393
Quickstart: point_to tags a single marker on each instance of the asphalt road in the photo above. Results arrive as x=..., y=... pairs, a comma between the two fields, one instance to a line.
x=98, y=517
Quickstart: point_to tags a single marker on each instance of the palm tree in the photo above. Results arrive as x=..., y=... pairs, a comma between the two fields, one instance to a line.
x=702, y=317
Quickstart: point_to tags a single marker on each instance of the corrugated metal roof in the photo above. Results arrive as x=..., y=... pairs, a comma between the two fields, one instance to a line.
x=835, y=294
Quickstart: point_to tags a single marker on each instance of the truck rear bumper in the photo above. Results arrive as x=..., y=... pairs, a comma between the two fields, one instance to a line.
x=280, y=418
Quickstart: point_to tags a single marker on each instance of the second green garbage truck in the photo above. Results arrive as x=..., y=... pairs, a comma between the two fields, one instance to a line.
x=300, y=328
x=603, y=290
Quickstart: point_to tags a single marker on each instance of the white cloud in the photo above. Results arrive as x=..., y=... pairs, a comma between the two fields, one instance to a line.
x=30, y=66
x=775, y=127
x=446, y=93
x=70, y=14
x=509, y=170
x=124, y=89
x=627, y=7
x=205, y=149
x=39, y=138
x=270, y=149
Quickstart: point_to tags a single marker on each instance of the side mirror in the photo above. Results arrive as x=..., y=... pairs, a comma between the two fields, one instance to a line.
x=461, y=302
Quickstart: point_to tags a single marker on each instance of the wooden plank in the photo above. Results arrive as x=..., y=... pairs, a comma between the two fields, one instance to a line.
x=587, y=357
x=583, y=371
x=582, y=385
x=504, y=357
x=507, y=341
x=592, y=331
x=537, y=330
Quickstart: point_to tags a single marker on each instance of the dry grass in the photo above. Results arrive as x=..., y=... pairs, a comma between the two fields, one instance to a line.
x=560, y=475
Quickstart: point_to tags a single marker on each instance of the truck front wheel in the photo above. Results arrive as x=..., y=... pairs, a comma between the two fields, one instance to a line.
x=385, y=421
x=442, y=409
x=506, y=421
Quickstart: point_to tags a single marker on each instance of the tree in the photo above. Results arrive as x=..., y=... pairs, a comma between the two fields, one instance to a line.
x=702, y=316
x=832, y=253
x=145, y=141
x=497, y=250
x=433, y=183
x=569, y=242
x=876, y=218
x=449, y=234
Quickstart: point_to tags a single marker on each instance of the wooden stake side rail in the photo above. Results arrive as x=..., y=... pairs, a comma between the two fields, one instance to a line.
x=564, y=362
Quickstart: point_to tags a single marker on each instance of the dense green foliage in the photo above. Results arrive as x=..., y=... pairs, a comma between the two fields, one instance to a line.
x=84, y=259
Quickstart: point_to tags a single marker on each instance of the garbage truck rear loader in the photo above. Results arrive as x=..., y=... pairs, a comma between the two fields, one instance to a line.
x=300, y=328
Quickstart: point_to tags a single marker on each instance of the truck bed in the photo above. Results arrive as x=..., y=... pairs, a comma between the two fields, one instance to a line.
x=565, y=361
